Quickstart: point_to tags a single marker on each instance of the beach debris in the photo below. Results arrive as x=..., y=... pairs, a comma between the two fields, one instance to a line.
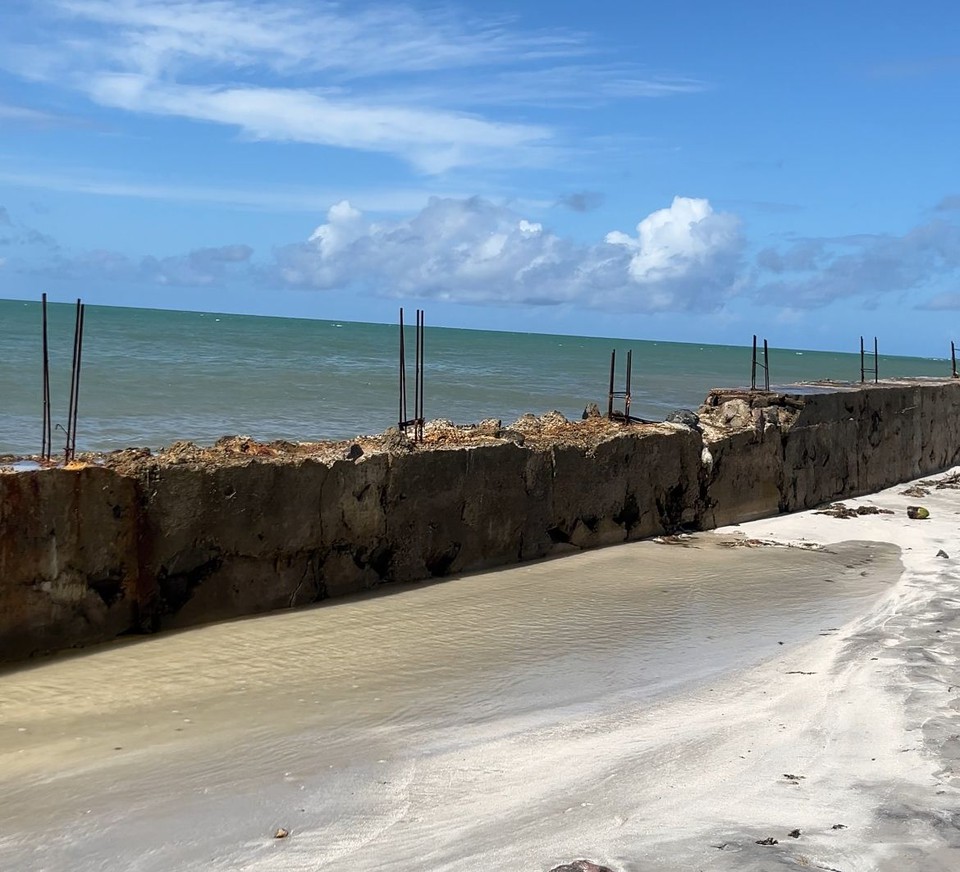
x=915, y=491
x=797, y=672
x=838, y=827
x=943, y=554
x=581, y=866
x=793, y=778
x=951, y=482
x=592, y=410
x=281, y=833
x=769, y=840
x=681, y=539
x=749, y=543
x=686, y=417
x=839, y=510
x=917, y=513
x=794, y=834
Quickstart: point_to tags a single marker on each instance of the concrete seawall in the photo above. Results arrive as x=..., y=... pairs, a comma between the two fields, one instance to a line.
x=133, y=542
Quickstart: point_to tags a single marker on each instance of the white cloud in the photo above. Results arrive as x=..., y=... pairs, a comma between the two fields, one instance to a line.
x=161, y=35
x=812, y=273
x=89, y=180
x=474, y=251
x=329, y=74
x=669, y=241
x=434, y=141
x=16, y=233
x=23, y=116
x=200, y=268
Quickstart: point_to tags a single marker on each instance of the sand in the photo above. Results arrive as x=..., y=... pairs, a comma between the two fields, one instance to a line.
x=846, y=735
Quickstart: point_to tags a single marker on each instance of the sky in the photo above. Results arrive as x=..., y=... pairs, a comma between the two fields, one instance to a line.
x=693, y=171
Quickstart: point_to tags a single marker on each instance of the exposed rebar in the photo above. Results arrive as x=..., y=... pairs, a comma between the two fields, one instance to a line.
x=70, y=448
x=417, y=421
x=46, y=448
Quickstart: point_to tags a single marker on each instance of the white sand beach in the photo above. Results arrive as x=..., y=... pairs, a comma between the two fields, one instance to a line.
x=653, y=706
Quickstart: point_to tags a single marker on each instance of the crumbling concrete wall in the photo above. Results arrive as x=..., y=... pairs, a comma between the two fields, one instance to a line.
x=87, y=554
x=785, y=453
x=267, y=534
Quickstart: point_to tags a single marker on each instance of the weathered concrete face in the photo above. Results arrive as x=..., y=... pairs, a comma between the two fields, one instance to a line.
x=68, y=559
x=743, y=477
x=464, y=509
x=87, y=554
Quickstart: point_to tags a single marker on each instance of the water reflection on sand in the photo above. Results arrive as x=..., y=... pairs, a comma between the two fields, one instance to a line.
x=143, y=731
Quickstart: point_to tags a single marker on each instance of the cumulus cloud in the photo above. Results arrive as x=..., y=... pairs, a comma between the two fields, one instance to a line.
x=673, y=242
x=815, y=272
x=474, y=251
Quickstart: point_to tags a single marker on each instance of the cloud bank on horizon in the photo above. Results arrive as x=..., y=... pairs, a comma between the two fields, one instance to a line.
x=589, y=162
x=472, y=251
x=686, y=257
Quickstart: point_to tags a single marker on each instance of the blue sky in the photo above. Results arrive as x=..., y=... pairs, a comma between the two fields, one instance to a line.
x=698, y=171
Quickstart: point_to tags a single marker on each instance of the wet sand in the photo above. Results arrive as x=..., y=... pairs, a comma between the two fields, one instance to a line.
x=633, y=704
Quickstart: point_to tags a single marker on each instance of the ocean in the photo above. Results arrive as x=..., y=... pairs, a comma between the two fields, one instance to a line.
x=152, y=377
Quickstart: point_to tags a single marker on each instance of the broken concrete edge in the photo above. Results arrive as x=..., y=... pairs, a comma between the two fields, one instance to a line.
x=137, y=542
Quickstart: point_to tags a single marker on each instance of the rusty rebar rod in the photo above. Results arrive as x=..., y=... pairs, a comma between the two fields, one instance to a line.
x=46, y=448
x=953, y=360
x=613, y=394
x=613, y=366
x=70, y=446
x=863, y=362
x=755, y=364
x=626, y=399
x=76, y=395
x=417, y=421
x=402, y=413
x=421, y=335
x=766, y=367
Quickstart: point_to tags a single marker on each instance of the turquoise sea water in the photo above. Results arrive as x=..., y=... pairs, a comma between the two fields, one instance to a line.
x=150, y=377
